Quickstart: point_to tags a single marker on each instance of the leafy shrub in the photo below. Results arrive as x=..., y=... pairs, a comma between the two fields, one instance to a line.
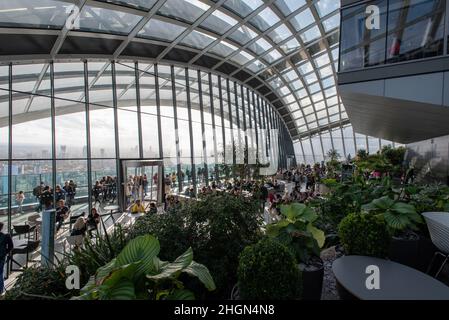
x=364, y=234
x=217, y=228
x=138, y=273
x=268, y=271
x=39, y=283
x=297, y=232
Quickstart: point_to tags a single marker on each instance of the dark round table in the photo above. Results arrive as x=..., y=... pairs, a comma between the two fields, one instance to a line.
x=397, y=281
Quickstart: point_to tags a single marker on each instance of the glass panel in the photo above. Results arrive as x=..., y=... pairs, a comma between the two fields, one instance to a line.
x=31, y=130
x=198, y=40
x=265, y=19
x=187, y=10
x=325, y=7
x=138, y=4
x=4, y=194
x=106, y=20
x=183, y=125
x=161, y=30
x=218, y=22
x=70, y=121
x=71, y=178
x=150, y=134
x=223, y=48
x=26, y=176
x=289, y=6
x=105, y=173
x=415, y=29
x=243, y=35
x=4, y=112
x=280, y=34
x=128, y=128
x=361, y=47
x=102, y=113
x=46, y=14
x=302, y=20
x=168, y=125
x=242, y=7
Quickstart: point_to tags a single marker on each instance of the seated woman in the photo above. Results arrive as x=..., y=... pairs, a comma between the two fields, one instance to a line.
x=138, y=207
x=153, y=208
x=93, y=219
x=79, y=228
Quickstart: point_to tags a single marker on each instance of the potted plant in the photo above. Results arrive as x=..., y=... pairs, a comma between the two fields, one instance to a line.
x=267, y=271
x=297, y=232
x=402, y=221
x=365, y=235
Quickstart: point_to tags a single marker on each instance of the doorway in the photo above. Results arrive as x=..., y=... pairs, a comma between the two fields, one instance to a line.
x=141, y=180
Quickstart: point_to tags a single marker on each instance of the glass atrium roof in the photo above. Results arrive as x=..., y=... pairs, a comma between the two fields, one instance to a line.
x=285, y=49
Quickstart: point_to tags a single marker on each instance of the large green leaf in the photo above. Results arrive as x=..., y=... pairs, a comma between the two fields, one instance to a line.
x=383, y=203
x=396, y=221
x=274, y=229
x=170, y=269
x=317, y=234
x=403, y=208
x=143, y=249
x=181, y=294
x=297, y=211
x=202, y=273
x=123, y=290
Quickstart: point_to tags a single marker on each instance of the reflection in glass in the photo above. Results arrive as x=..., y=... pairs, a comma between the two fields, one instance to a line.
x=45, y=14
x=415, y=29
x=360, y=46
x=106, y=20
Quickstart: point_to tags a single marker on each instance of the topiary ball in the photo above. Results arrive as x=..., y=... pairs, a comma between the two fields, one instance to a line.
x=268, y=271
x=365, y=235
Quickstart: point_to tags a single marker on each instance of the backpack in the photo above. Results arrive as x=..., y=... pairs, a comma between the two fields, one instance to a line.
x=37, y=191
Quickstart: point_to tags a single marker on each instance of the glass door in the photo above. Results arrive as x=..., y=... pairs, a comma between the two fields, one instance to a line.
x=142, y=180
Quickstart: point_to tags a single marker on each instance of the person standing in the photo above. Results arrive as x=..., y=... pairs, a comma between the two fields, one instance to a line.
x=6, y=245
x=20, y=197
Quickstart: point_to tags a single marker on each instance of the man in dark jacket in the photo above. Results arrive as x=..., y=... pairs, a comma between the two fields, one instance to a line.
x=6, y=245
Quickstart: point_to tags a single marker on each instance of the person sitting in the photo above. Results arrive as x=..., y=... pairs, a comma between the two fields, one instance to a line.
x=62, y=212
x=153, y=208
x=137, y=207
x=93, y=219
x=79, y=228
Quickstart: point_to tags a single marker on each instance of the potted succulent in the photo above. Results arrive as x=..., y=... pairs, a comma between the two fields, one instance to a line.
x=297, y=232
x=402, y=221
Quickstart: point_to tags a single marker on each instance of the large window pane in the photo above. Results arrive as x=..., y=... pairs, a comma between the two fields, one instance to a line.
x=4, y=112
x=71, y=176
x=4, y=194
x=45, y=14
x=415, y=29
x=31, y=131
x=127, y=111
x=27, y=175
x=70, y=121
x=102, y=127
x=150, y=134
x=360, y=46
